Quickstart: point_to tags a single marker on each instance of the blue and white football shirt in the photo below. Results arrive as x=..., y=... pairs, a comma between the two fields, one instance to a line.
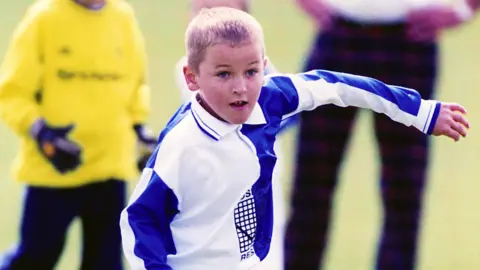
x=205, y=199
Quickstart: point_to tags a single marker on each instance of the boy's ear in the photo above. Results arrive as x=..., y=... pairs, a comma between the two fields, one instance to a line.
x=266, y=66
x=190, y=78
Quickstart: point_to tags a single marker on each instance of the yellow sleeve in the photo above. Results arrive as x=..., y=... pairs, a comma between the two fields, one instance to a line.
x=20, y=75
x=139, y=106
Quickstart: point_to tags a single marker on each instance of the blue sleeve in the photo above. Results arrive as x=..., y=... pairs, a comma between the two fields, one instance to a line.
x=290, y=121
x=293, y=93
x=145, y=223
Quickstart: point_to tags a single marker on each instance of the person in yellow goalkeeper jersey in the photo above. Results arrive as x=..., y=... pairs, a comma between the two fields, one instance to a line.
x=72, y=87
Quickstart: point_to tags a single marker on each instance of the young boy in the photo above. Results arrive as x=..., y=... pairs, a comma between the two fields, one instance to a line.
x=205, y=199
x=274, y=260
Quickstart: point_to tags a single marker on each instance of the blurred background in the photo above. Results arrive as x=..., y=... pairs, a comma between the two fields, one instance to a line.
x=450, y=237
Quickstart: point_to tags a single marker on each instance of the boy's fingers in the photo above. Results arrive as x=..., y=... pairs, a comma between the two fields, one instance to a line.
x=459, y=118
x=452, y=134
x=459, y=128
x=456, y=107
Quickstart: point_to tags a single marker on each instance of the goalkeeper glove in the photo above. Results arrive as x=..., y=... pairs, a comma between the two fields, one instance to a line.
x=52, y=142
x=148, y=142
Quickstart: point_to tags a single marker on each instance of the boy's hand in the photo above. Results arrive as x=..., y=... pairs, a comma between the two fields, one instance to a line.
x=451, y=121
x=148, y=142
x=52, y=142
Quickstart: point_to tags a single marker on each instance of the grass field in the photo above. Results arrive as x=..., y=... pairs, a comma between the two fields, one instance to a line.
x=451, y=232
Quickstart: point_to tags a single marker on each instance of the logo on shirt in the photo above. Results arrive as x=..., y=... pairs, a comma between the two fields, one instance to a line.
x=246, y=224
x=64, y=50
x=68, y=75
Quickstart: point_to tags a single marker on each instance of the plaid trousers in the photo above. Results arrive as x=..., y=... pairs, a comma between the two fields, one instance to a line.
x=385, y=53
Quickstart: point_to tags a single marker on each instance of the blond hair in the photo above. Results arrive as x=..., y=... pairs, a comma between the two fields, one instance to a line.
x=219, y=25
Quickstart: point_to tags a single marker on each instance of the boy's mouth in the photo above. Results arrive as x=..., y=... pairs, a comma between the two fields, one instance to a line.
x=239, y=105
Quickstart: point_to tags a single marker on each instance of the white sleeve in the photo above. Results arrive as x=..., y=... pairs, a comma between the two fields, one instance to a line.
x=306, y=91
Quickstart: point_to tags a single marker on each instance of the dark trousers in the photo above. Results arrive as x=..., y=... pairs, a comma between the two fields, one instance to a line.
x=47, y=214
x=382, y=52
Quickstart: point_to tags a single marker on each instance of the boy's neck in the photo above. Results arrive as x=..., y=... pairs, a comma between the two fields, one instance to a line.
x=207, y=108
x=90, y=6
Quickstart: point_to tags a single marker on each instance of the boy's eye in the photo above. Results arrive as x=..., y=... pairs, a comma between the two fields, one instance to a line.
x=251, y=72
x=223, y=74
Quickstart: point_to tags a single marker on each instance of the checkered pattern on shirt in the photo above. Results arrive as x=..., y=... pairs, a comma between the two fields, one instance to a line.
x=245, y=222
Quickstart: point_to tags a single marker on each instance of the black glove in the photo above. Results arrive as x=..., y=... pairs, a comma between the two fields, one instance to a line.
x=148, y=142
x=142, y=161
x=52, y=142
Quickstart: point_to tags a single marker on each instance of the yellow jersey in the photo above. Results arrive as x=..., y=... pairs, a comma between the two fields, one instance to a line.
x=71, y=65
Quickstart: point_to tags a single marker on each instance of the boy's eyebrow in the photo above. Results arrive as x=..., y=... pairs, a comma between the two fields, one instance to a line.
x=222, y=66
x=226, y=65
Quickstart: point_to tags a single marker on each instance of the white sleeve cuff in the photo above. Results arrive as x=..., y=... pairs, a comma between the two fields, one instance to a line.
x=427, y=116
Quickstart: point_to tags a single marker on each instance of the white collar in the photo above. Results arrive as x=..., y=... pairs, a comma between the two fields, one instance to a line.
x=215, y=128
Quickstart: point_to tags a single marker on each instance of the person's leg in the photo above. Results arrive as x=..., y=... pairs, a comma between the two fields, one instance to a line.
x=322, y=141
x=404, y=155
x=47, y=213
x=323, y=138
x=100, y=215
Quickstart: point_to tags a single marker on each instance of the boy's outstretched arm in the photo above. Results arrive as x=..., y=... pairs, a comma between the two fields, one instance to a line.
x=145, y=223
x=306, y=91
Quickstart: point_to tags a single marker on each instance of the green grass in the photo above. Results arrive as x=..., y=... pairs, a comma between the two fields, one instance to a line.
x=450, y=237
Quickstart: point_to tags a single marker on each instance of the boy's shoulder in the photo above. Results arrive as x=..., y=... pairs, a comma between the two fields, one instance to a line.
x=283, y=83
x=279, y=94
x=182, y=132
x=181, y=150
x=273, y=86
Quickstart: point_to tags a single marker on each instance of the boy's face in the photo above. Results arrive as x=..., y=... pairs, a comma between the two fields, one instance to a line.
x=229, y=80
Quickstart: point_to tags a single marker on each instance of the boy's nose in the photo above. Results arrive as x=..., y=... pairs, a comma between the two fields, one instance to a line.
x=239, y=90
x=239, y=87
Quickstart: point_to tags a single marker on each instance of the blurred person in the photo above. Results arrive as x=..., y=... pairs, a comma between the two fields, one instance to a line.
x=204, y=200
x=393, y=41
x=72, y=87
x=274, y=259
